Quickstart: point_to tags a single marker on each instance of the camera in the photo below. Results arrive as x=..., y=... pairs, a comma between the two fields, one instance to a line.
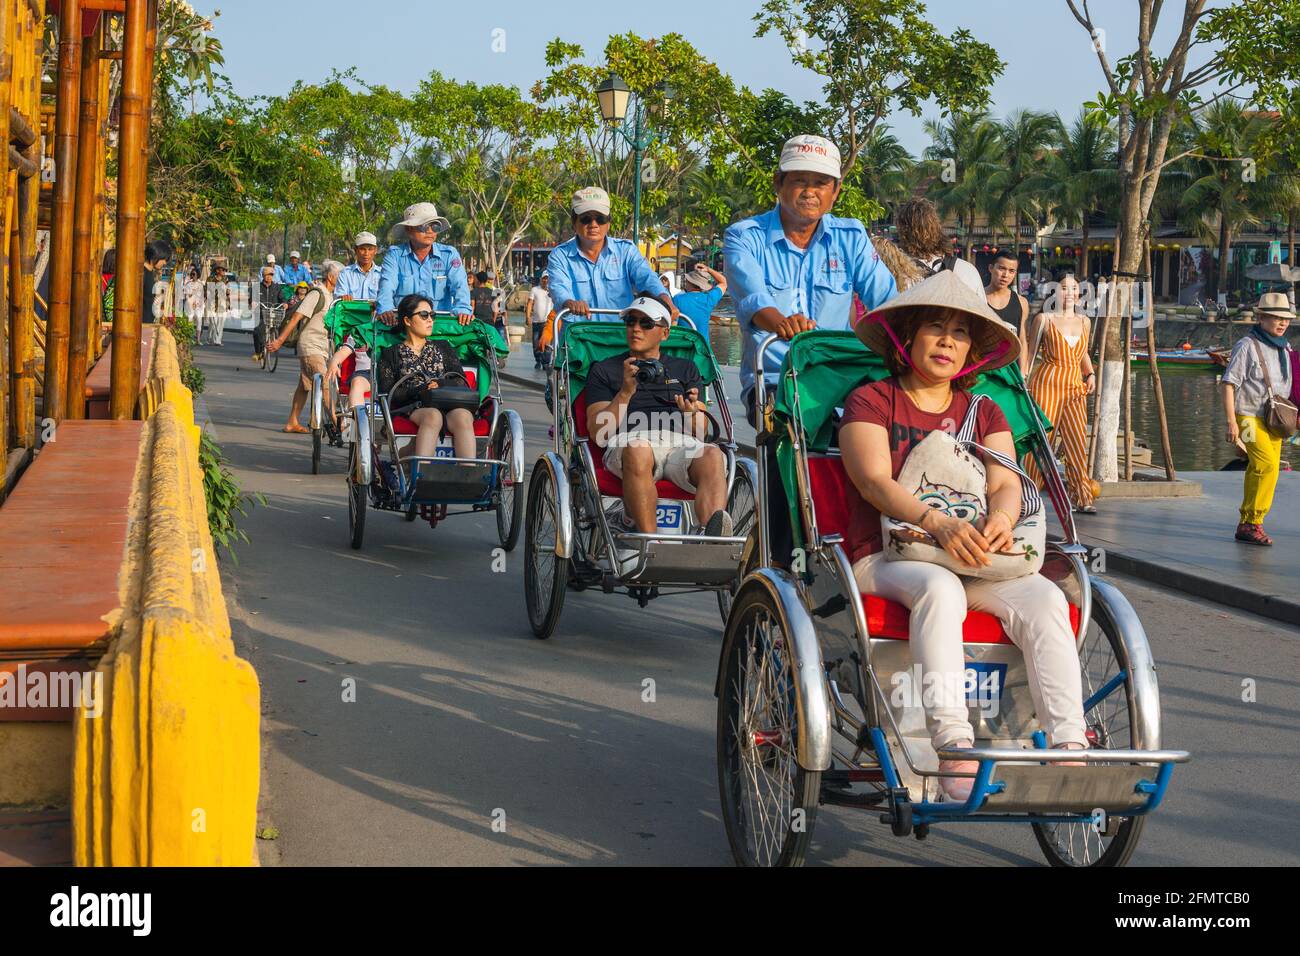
x=650, y=372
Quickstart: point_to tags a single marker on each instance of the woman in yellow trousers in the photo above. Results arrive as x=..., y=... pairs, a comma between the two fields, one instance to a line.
x=1259, y=358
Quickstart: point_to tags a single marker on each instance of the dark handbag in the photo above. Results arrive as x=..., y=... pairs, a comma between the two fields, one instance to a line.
x=1279, y=413
x=452, y=392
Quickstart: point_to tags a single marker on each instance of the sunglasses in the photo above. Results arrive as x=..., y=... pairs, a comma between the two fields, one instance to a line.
x=588, y=218
x=427, y=227
x=422, y=314
x=646, y=324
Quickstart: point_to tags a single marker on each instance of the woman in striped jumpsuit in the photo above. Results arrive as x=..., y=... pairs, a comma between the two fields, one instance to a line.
x=1060, y=383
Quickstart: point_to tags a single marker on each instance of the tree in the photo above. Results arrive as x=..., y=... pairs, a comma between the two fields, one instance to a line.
x=1146, y=93
x=1223, y=196
x=884, y=172
x=965, y=154
x=1016, y=188
x=1080, y=178
x=878, y=57
x=498, y=160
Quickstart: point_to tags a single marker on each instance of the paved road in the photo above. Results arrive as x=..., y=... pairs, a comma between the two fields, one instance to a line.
x=461, y=716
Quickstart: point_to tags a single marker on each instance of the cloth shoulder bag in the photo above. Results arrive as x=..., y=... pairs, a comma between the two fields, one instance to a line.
x=946, y=473
x=1278, y=413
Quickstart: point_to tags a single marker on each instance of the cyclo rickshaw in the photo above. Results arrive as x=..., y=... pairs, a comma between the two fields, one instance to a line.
x=382, y=476
x=807, y=709
x=569, y=543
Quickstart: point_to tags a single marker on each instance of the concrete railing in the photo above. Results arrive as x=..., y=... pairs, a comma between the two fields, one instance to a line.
x=167, y=774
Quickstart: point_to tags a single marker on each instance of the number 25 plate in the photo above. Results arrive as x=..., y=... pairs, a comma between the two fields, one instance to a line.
x=668, y=518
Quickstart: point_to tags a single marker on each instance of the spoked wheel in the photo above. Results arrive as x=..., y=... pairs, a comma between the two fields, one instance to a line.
x=546, y=574
x=357, y=501
x=412, y=513
x=510, y=497
x=316, y=435
x=270, y=359
x=769, y=802
x=741, y=505
x=1109, y=725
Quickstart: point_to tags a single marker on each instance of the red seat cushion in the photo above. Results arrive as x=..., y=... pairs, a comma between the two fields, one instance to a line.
x=404, y=426
x=608, y=482
x=834, y=497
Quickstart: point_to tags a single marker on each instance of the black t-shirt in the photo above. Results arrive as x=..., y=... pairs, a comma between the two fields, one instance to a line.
x=483, y=297
x=606, y=379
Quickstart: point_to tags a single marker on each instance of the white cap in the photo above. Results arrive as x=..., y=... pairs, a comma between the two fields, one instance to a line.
x=815, y=154
x=591, y=199
x=423, y=213
x=270, y=258
x=364, y=239
x=651, y=309
x=545, y=275
x=295, y=254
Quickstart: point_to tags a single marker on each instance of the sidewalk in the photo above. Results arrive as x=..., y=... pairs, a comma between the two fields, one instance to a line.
x=1187, y=544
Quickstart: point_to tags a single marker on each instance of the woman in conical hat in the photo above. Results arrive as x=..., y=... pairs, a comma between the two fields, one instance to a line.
x=936, y=337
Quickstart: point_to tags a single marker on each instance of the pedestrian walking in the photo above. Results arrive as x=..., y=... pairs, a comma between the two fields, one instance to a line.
x=313, y=341
x=538, y=311
x=1009, y=304
x=218, y=305
x=1061, y=384
x=1259, y=373
x=194, y=302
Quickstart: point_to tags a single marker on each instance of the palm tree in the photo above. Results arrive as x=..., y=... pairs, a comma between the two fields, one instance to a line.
x=1017, y=187
x=965, y=153
x=1081, y=176
x=1228, y=191
x=884, y=169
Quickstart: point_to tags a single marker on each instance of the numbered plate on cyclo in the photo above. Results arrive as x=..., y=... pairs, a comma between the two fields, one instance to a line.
x=668, y=517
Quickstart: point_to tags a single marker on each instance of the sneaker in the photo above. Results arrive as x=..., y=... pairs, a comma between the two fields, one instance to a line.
x=257, y=356
x=719, y=525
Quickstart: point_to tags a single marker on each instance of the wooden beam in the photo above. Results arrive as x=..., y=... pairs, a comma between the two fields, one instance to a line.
x=58, y=320
x=104, y=6
x=7, y=154
x=85, y=283
x=22, y=248
x=132, y=141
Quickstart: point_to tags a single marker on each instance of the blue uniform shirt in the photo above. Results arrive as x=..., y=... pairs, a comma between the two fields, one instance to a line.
x=292, y=275
x=698, y=307
x=358, y=284
x=441, y=276
x=619, y=273
x=765, y=270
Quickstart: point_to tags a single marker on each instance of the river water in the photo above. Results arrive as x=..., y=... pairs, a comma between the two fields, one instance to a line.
x=1192, y=403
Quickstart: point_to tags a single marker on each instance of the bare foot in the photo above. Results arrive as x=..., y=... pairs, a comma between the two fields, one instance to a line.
x=296, y=429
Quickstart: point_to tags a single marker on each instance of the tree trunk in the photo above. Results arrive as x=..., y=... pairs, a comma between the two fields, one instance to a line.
x=1083, y=251
x=1128, y=261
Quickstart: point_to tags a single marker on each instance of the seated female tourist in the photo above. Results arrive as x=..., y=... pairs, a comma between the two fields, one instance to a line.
x=435, y=363
x=934, y=338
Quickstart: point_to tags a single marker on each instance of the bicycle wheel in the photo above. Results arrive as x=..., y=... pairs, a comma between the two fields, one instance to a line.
x=742, y=506
x=272, y=360
x=1110, y=725
x=546, y=574
x=316, y=435
x=510, y=497
x=769, y=802
x=357, y=501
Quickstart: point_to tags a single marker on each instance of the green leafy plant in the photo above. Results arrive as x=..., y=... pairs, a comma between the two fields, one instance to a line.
x=192, y=378
x=225, y=499
x=186, y=335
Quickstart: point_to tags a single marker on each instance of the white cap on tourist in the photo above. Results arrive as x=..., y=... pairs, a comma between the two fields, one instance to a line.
x=651, y=309
x=365, y=239
x=816, y=154
x=591, y=199
x=270, y=258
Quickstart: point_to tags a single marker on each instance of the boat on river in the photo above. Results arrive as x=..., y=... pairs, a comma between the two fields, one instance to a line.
x=1177, y=358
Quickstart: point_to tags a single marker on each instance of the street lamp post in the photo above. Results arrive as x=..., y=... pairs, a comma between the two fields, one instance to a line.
x=614, y=97
x=240, y=246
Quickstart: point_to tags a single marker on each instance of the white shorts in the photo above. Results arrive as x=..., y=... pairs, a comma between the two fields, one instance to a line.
x=674, y=454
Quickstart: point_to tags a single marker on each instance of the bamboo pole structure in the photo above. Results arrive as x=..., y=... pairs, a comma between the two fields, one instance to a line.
x=6, y=237
x=25, y=32
x=84, y=284
x=1126, y=327
x=133, y=134
x=58, y=317
x=1166, y=447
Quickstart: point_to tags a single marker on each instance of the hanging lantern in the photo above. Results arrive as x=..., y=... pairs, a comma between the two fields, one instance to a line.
x=986, y=247
x=1177, y=245
x=1058, y=250
x=1078, y=250
x=1160, y=246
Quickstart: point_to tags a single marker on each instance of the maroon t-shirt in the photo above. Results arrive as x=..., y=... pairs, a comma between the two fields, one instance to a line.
x=885, y=403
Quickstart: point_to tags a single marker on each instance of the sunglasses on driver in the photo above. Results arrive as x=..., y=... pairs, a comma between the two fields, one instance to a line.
x=587, y=218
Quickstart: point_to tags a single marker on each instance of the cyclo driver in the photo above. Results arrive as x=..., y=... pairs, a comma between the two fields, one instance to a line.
x=644, y=410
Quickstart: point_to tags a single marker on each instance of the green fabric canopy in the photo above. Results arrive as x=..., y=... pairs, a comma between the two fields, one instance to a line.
x=586, y=343
x=831, y=364
x=474, y=343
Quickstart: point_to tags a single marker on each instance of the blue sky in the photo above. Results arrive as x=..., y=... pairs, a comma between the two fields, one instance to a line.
x=1050, y=61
